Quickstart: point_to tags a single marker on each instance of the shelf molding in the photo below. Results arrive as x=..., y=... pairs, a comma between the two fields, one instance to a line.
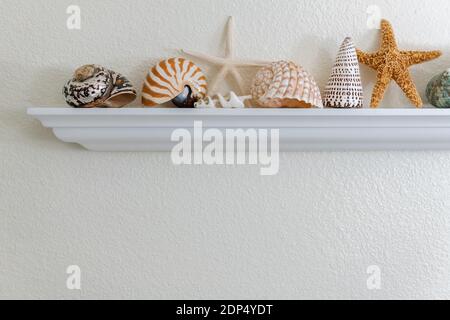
x=150, y=129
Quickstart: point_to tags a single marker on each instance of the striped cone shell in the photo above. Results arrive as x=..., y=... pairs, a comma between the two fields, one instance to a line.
x=344, y=89
x=168, y=78
x=284, y=84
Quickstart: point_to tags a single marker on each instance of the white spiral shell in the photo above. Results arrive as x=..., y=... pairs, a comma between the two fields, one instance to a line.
x=168, y=79
x=284, y=84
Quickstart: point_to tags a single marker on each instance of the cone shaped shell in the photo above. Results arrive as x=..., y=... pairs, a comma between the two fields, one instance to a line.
x=168, y=78
x=344, y=88
x=285, y=84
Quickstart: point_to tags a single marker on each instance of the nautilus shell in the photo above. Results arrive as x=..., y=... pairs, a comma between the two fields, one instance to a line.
x=95, y=86
x=284, y=84
x=178, y=80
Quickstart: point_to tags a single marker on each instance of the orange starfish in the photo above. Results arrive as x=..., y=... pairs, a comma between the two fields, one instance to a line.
x=393, y=64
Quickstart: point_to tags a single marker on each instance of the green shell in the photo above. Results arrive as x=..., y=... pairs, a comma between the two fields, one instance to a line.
x=438, y=90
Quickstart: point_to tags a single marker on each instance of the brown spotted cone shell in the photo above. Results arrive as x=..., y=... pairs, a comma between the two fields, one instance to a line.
x=344, y=88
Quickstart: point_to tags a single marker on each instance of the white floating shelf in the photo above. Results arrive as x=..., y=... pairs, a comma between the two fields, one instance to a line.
x=139, y=129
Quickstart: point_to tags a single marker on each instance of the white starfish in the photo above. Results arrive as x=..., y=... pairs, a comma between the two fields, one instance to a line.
x=229, y=64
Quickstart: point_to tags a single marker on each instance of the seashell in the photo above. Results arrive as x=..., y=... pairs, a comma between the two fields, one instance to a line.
x=95, y=86
x=206, y=103
x=284, y=84
x=344, y=89
x=178, y=80
x=231, y=102
x=438, y=90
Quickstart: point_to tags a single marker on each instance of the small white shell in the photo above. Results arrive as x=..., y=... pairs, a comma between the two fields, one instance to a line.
x=231, y=102
x=285, y=84
x=206, y=103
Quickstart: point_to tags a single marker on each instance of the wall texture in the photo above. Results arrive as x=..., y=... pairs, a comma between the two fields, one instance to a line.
x=140, y=227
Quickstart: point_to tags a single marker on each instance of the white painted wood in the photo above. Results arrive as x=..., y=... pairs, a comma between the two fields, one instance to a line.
x=140, y=129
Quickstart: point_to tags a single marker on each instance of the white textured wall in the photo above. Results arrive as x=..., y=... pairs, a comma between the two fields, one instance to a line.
x=140, y=227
